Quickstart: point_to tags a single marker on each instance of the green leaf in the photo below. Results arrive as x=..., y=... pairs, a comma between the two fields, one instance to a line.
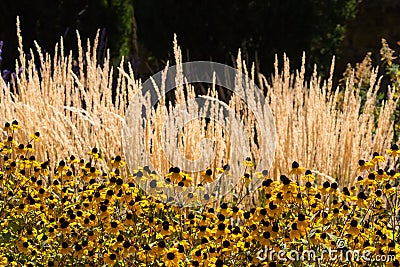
x=333, y=237
x=6, y=236
x=14, y=226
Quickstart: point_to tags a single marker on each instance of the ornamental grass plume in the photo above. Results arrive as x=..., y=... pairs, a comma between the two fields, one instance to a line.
x=324, y=128
x=71, y=102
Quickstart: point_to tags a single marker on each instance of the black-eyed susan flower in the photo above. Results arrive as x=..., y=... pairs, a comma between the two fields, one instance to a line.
x=302, y=222
x=65, y=248
x=117, y=162
x=225, y=210
x=174, y=175
x=247, y=178
x=354, y=228
x=3, y=261
x=325, y=188
x=35, y=136
x=165, y=228
x=296, y=169
x=295, y=233
x=6, y=126
x=186, y=180
x=308, y=176
x=197, y=255
x=6, y=150
x=23, y=245
x=95, y=153
x=237, y=213
x=110, y=258
x=172, y=257
x=20, y=149
x=248, y=162
x=114, y=227
x=364, y=165
x=361, y=199
x=389, y=189
x=72, y=160
x=128, y=248
x=29, y=148
x=15, y=126
x=376, y=158
x=93, y=173
x=394, y=150
x=207, y=176
x=72, y=219
x=324, y=218
x=62, y=168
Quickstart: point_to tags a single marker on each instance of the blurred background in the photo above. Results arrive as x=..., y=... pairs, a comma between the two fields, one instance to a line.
x=142, y=30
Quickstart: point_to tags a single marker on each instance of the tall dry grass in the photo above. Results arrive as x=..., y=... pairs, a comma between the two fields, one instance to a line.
x=323, y=128
x=317, y=126
x=73, y=114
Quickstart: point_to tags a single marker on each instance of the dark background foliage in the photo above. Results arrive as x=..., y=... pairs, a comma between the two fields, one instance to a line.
x=216, y=29
x=142, y=30
x=47, y=20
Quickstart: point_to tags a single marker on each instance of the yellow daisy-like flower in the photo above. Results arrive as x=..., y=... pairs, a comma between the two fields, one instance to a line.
x=6, y=150
x=35, y=137
x=114, y=227
x=61, y=168
x=197, y=254
x=325, y=188
x=302, y=222
x=3, y=261
x=187, y=180
x=95, y=153
x=247, y=178
x=117, y=162
x=296, y=169
x=207, y=176
x=15, y=126
x=20, y=149
x=262, y=175
x=377, y=158
x=29, y=148
x=72, y=159
x=23, y=245
x=295, y=233
x=93, y=172
x=308, y=176
x=248, y=162
x=364, y=165
x=389, y=189
x=172, y=257
x=175, y=175
x=7, y=126
x=109, y=258
x=354, y=228
x=394, y=150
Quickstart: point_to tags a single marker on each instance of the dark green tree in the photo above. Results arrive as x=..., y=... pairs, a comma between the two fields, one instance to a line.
x=46, y=20
x=261, y=28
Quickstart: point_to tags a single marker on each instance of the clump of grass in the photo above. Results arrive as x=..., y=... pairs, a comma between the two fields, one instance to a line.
x=76, y=110
x=325, y=128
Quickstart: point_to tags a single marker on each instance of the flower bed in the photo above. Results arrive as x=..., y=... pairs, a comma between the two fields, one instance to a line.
x=73, y=214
